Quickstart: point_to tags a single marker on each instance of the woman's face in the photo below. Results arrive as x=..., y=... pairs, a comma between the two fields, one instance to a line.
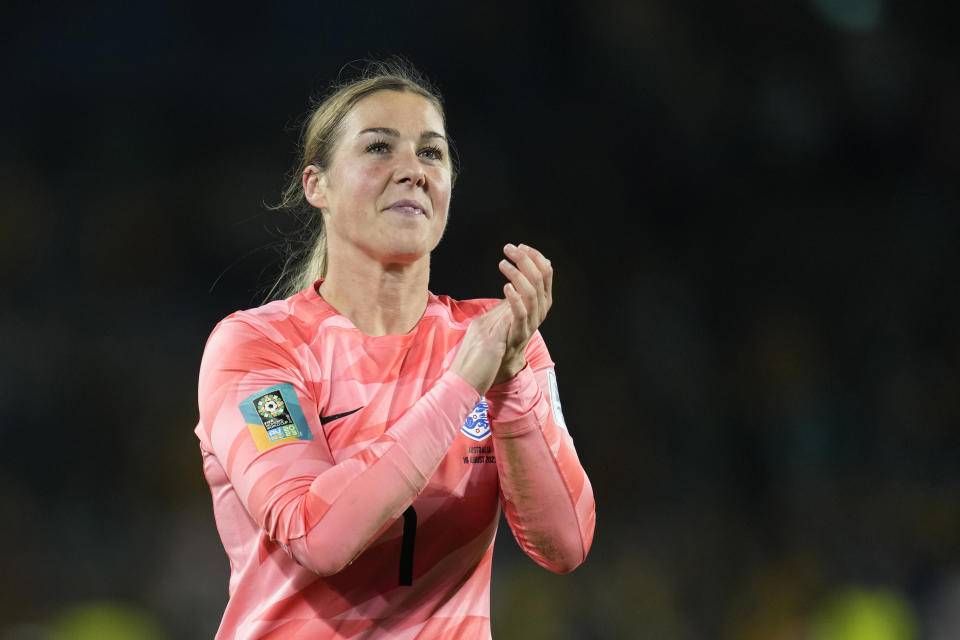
x=386, y=192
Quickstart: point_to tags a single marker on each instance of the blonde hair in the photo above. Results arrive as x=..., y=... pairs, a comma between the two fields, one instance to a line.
x=320, y=134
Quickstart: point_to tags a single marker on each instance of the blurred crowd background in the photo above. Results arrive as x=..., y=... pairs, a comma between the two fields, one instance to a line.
x=752, y=209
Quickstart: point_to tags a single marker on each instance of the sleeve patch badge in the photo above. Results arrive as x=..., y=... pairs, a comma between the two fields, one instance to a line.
x=555, y=399
x=477, y=426
x=274, y=417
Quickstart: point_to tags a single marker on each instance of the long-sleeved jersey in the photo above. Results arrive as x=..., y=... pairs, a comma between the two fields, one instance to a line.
x=357, y=482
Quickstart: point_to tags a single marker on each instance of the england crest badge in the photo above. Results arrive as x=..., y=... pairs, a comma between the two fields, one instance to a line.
x=476, y=426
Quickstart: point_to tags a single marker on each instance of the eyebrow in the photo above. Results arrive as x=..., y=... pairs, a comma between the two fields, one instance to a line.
x=387, y=131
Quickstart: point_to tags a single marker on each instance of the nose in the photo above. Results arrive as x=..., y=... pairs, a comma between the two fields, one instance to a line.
x=410, y=170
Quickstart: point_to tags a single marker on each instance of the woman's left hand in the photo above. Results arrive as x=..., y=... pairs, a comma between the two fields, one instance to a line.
x=529, y=293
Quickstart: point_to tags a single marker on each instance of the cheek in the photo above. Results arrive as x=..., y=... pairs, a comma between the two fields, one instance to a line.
x=441, y=191
x=364, y=180
x=356, y=187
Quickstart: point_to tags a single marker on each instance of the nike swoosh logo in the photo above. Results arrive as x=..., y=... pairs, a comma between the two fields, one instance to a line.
x=337, y=416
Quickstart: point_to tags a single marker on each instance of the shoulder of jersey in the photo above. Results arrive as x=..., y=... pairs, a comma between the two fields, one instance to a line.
x=459, y=310
x=293, y=313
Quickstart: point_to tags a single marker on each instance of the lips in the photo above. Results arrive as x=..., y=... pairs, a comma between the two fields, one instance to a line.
x=408, y=207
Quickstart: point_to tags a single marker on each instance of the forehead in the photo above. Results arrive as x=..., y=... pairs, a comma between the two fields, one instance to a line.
x=401, y=110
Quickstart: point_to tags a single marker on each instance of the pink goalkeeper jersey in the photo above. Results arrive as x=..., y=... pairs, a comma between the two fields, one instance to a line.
x=357, y=483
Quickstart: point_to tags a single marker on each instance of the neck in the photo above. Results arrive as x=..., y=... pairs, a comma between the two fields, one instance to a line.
x=379, y=299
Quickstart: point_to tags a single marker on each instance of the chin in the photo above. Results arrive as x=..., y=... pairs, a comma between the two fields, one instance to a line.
x=408, y=250
x=403, y=256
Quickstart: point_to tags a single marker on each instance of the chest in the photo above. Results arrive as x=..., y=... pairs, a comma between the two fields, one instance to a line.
x=364, y=387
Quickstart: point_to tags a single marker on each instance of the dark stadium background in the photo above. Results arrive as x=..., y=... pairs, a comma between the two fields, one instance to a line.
x=753, y=213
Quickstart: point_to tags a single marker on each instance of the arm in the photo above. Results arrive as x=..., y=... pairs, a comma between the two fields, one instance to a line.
x=546, y=495
x=324, y=512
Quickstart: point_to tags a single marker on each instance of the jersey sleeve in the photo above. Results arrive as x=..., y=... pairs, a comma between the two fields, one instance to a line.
x=545, y=492
x=323, y=511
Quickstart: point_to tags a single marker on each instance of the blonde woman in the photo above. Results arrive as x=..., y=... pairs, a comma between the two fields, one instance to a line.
x=361, y=436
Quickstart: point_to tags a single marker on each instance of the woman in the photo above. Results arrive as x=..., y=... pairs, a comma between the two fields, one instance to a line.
x=360, y=436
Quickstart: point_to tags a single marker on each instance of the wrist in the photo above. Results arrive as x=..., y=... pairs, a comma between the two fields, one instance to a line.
x=509, y=369
x=517, y=399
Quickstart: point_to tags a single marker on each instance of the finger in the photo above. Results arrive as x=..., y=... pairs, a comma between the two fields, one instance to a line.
x=530, y=268
x=519, y=312
x=520, y=280
x=520, y=329
x=546, y=270
x=543, y=264
x=525, y=265
x=522, y=285
x=515, y=300
x=523, y=258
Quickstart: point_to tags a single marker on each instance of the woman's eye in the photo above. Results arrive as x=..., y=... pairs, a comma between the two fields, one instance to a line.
x=378, y=147
x=434, y=153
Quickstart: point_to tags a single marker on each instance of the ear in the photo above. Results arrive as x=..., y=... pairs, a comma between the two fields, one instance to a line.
x=315, y=186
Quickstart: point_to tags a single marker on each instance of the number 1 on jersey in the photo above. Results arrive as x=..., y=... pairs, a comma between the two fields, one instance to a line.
x=406, y=546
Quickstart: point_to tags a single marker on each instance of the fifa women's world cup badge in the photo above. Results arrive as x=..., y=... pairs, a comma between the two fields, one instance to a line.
x=271, y=406
x=274, y=416
x=276, y=420
x=476, y=426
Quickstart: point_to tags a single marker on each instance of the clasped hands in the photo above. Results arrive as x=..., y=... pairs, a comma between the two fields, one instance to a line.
x=492, y=350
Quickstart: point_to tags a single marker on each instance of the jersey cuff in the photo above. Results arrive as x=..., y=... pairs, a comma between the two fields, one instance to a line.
x=514, y=407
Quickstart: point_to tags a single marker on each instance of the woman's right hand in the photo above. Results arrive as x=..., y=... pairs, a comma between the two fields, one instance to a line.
x=482, y=348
